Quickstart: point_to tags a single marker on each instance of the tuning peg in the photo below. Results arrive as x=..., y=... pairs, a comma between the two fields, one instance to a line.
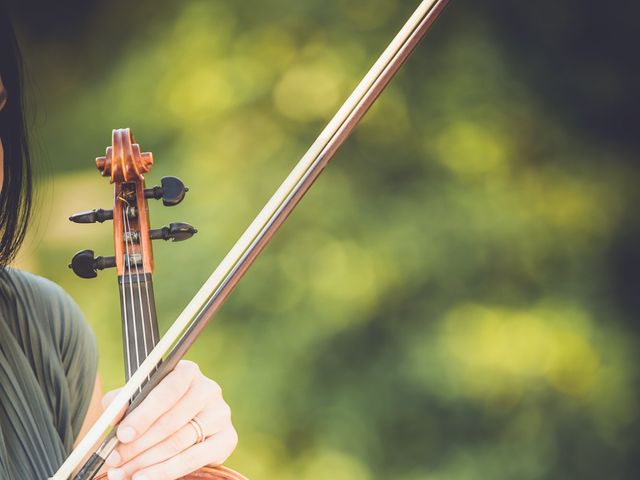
x=85, y=265
x=171, y=190
x=175, y=231
x=92, y=216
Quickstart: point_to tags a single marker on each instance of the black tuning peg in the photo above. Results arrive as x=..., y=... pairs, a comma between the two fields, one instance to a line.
x=171, y=190
x=175, y=231
x=92, y=216
x=85, y=265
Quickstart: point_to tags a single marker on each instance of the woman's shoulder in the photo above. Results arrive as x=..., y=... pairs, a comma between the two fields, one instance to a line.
x=39, y=300
x=20, y=283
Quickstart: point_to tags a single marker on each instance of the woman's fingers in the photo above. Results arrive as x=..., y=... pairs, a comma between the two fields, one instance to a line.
x=159, y=401
x=214, y=421
x=202, y=393
x=214, y=450
x=108, y=398
x=157, y=439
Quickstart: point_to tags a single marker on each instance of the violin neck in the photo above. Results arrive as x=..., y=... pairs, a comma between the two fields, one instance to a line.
x=139, y=320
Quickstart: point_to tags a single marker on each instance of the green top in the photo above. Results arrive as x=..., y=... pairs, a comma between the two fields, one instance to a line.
x=48, y=362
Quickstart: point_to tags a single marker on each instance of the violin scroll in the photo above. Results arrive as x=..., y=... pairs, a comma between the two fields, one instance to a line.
x=124, y=162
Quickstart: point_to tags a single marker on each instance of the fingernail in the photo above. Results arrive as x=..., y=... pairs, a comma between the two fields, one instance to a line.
x=115, y=474
x=113, y=459
x=126, y=434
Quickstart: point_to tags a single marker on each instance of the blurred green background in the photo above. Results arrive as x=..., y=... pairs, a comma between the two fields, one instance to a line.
x=457, y=296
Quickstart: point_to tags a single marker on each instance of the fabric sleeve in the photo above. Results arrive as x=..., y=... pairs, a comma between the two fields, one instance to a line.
x=71, y=348
x=79, y=356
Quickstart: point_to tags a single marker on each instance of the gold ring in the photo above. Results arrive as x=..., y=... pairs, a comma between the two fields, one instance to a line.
x=197, y=426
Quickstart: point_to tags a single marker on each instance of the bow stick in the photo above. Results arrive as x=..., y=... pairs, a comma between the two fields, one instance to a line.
x=222, y=281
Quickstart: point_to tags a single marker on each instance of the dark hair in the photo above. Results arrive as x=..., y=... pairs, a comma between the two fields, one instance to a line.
x=17, y=189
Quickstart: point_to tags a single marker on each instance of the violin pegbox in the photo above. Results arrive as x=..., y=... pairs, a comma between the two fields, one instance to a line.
x=125, y=164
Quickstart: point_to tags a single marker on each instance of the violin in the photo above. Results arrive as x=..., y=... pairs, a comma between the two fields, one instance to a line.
x=125, y=165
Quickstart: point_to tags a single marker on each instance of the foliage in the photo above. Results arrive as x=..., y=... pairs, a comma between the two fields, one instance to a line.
x=446, y=302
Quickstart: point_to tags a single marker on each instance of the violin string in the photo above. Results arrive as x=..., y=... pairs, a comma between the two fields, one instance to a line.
x=136, y=324
x=140, y=277
x=151, y=325
x=150, y=316
x=127, y=350
x=128, y=267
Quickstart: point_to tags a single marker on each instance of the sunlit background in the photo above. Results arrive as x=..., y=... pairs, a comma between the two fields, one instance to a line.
x=456, y=298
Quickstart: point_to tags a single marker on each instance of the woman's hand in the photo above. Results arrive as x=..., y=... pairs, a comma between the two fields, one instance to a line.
x=158, y=442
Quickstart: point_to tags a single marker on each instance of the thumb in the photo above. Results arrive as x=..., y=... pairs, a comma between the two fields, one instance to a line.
x=109, y=397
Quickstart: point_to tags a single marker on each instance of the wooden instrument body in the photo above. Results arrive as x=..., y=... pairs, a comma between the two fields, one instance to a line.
x=212, y=473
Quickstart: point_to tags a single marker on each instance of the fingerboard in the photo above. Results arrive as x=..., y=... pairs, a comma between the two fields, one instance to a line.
x=139, y=320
